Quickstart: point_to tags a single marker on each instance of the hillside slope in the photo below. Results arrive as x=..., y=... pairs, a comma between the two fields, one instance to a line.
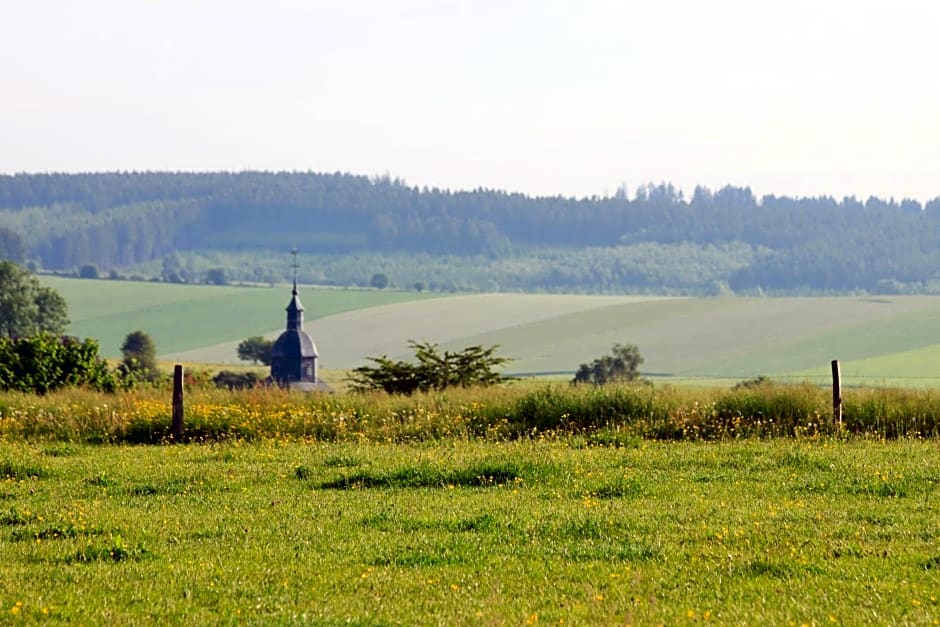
x=182, y=317
x=685, y=338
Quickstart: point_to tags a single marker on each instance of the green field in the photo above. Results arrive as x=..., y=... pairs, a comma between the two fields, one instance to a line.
x=455, y=532
x=183, y=317
x=892, y=340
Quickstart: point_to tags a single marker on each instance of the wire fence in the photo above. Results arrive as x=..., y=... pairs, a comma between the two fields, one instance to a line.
x=724, y=378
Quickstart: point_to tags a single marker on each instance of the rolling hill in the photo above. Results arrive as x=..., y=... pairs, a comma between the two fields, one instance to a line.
x=885, y=339
x=186, y=317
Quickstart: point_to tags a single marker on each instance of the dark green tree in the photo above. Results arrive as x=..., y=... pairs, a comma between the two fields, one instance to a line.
x=11, y=245
x=26, y=307
x=474, y=366
x=42, y=363
x=256, y=349
x=88, y=271
x=216, y=276
x=621, y=365
x=53, y=311
x=140, y=356
x=379, y=281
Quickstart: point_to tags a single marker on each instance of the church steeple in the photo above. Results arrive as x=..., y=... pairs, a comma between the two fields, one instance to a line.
x=294, y=355
x=295, y=310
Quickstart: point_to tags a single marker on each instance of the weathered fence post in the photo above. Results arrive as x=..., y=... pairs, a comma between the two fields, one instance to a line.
x=836, y=394
x=176, y=428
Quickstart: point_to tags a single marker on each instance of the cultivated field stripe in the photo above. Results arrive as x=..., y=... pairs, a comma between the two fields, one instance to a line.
x=346, y=340
x=182, y=317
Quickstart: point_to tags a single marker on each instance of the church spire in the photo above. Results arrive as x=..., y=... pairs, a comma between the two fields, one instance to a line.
x=294, y=355
x=294, y=265
x=295, y=310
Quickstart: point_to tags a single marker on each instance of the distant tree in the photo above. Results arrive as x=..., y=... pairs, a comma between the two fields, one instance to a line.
x=216, y=276
x=256, y=349
x=379, y=281
x=621, y=365
x=88, y=271
x=26, y=307
x=11, y=245
x=53, y=311
x=140, y=356
x=173, y=271
x=420, y=286
x=474, y=366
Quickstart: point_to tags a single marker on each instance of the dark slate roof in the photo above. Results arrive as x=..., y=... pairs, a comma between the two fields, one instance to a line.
x=294, y=343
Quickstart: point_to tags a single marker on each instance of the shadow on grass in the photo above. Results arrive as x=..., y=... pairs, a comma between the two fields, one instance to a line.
x=480, y=475
x=19, y=471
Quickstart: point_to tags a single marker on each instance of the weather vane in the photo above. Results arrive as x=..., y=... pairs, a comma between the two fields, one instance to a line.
x=294, y=265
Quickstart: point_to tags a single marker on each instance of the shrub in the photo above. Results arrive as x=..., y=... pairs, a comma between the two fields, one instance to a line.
x=237, y=380
x=140, y=356
x=43, y=363
x=474, y=366
x=621, y=365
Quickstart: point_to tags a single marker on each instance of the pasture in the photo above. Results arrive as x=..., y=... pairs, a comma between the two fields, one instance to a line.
x=806, y=531
x=884, y=340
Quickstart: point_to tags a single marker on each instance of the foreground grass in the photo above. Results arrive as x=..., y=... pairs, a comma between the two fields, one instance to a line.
x=524, y=409
x=457, y=532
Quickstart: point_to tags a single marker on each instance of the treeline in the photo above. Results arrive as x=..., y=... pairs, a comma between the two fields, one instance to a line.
x=121, y=220
x=679, y=269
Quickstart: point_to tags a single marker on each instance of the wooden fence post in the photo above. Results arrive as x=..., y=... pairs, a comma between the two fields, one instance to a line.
x=176, y=428
x=836, y=393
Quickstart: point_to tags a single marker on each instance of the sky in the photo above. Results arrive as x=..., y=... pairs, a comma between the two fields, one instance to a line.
x=545, y=97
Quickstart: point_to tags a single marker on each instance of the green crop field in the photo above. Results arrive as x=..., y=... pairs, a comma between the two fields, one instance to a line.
x=183, y=317
x=896, y=340
x=460, y=532
x=887, y=339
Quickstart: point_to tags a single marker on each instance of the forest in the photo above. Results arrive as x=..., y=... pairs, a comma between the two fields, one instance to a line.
x=179, y=226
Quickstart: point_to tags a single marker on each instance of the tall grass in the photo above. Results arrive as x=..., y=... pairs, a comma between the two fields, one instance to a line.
x=530, y=410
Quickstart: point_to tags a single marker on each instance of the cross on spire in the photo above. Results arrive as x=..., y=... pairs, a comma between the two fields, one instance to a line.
x=294, y=265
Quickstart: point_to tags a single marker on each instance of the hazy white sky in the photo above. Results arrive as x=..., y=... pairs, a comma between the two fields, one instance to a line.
x=798, y=97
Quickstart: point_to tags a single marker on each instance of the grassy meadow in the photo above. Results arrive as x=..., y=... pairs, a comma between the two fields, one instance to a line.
x=808, y=531
x=522, y=504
